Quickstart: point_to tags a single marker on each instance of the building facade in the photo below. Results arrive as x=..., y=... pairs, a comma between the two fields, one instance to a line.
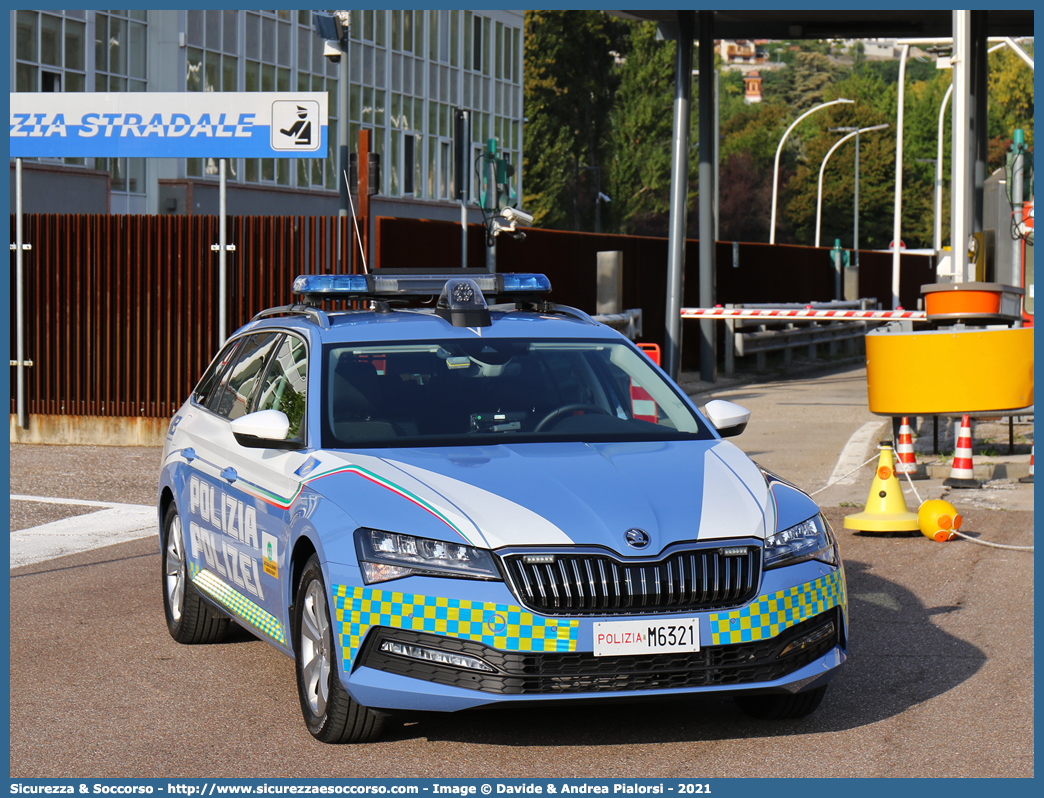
x=408, y=71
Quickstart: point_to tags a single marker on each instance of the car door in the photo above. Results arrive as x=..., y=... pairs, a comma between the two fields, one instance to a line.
x=284, y=387
x=238, y=497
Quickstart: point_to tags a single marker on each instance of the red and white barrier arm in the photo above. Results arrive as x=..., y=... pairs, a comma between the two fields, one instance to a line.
x=802, y=313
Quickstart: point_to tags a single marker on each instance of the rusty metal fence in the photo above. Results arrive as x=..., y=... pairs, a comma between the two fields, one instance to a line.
x=121, y=312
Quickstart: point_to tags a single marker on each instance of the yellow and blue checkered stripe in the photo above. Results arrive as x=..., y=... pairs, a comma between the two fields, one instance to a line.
x=237, y=603
x=502, y=626
x=769, y=615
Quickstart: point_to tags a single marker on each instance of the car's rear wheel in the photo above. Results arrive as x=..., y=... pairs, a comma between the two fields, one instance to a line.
x=777, y=706
x=189, y=619
x=329, y=712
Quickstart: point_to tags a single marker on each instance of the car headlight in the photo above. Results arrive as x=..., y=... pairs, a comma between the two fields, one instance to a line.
x=387, y=555
x=810, y=540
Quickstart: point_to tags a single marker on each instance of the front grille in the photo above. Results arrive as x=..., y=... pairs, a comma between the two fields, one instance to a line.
x=594, y=583
x=526, y=673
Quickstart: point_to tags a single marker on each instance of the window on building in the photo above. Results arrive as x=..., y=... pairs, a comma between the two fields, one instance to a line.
x=476, y=45
x=120, y=64
x=50, y=54
x=263, y=51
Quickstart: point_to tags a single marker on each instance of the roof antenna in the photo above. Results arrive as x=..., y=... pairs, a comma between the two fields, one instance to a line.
x=355, y=219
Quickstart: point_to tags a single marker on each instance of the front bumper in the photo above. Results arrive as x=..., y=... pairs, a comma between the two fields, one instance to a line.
x=549, y=658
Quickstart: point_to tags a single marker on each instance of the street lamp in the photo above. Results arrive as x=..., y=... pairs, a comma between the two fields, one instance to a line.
x=937, y=240
x=851, y=131
x=779, y=150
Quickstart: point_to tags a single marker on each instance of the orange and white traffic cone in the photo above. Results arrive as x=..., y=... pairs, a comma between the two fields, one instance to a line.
x=1029, y=479
x=962, y=473
x=906, y=462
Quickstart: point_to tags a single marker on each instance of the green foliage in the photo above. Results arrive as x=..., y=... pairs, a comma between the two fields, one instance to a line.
x=888, y=71
x=642, y=133
x=570, y=85
x=876, y=172
x=858, y=57
x=814, y=74
x=748, y=152
x=1010, y=86
x=600, y=91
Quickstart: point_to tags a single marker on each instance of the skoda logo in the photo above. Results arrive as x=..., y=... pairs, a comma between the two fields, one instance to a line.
x=637, y=538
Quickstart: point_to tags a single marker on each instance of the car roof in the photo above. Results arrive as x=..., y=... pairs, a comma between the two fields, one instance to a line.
x=415, y=324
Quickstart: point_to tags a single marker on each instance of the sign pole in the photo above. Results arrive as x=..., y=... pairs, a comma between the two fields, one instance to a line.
x=222, y=259
x=23, y=421
x=212, y=125
x=343, y=144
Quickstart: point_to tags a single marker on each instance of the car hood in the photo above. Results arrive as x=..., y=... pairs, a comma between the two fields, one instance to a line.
x=554, y=494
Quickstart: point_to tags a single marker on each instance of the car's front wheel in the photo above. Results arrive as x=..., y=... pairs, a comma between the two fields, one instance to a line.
x=777, y=706
x=189, y=619
x=329, y=712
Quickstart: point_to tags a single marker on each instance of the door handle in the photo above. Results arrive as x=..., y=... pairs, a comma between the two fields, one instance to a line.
x=230, y=474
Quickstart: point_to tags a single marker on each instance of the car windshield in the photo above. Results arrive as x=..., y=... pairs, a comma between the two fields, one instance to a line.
x=481, y=391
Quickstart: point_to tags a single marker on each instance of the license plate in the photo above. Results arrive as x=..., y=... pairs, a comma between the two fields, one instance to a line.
x=615, y=638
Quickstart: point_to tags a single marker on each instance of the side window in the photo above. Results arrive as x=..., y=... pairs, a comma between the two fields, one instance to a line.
x=285, y=384
x=210, y=378
x=235, y=390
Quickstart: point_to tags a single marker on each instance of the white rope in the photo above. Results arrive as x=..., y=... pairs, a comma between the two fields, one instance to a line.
x=919, y=503
x=918, y=495
x=843, y=476
x=987, y=543
x=966, y=537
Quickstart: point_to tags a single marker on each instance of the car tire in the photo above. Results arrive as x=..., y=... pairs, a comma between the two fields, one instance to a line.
x=189, y=619
x=330, y=714
x=781, y=707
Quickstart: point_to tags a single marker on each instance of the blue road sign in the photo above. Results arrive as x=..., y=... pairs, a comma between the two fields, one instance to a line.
x=169, y=125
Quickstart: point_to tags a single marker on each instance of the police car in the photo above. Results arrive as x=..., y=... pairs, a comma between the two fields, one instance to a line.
x=486, y=500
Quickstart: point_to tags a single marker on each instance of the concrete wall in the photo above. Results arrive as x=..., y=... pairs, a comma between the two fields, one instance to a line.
x=91, y=430
x=60, y=189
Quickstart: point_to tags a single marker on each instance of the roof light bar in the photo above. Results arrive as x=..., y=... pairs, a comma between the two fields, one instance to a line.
x=343, y=286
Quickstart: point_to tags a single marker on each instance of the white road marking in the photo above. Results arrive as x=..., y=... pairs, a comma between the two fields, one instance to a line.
x=854, y=453
x=111, y=523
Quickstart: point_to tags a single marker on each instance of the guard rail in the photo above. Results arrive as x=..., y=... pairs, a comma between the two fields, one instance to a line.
x=785, y=327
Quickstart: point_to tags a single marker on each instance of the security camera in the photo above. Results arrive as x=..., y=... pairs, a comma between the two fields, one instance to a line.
x=517, y=217
x=333, y=29
x=332, y=50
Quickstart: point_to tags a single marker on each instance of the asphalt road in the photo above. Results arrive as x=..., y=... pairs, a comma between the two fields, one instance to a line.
x=939, y=682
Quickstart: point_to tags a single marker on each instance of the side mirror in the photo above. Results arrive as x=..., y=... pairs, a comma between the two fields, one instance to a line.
x=727, y=417
x=265, y=429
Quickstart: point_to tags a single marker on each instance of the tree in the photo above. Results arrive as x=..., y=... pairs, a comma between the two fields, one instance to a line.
x=876, y=170
x=858, y=57
x=920, y=145
x=917, y=69
x=1010, y=89
x=748, y=152
x=814, y=73
x=569, y=90
x=642, y=133
x=745, y=199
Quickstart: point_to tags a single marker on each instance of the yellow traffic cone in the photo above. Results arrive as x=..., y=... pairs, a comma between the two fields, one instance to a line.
x=885, y=506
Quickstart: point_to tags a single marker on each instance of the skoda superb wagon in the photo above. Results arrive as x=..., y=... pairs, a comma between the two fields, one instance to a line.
x=465, y=504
